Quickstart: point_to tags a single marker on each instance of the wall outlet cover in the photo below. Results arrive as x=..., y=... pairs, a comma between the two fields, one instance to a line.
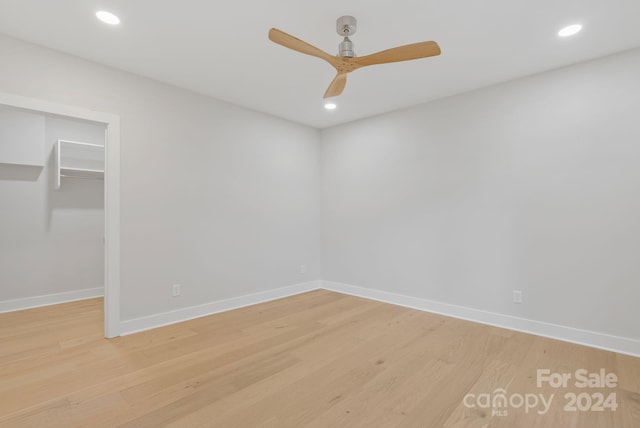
x=177, y=290
x=517, y=296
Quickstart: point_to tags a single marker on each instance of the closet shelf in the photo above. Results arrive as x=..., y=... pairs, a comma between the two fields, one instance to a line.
x=90, y=174
x=76, y=159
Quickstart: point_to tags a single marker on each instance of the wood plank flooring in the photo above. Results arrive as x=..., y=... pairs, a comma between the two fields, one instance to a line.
x=319, y=359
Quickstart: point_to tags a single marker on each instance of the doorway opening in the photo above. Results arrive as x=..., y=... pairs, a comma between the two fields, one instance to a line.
x=62, y=165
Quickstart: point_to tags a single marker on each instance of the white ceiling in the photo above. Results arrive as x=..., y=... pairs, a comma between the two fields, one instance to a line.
x=221, y=48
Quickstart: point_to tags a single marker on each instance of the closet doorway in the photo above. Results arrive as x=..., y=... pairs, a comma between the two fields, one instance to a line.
x=59, y=184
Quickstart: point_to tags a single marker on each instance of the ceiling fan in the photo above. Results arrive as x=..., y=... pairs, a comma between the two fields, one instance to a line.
x=346, y=61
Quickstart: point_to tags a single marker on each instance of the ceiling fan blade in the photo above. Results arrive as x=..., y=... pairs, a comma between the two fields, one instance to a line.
x=337, y=85
x=401, y=53
x=291, y=42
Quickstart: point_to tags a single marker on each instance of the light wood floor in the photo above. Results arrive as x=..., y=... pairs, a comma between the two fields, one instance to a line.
x=319, y=359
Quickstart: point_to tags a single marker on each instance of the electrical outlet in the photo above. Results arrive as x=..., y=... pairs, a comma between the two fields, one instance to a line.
x=177, y=290
x=303, y=269
x=517, y=296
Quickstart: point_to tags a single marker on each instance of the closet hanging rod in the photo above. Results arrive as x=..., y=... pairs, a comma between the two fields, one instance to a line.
x=82, y=178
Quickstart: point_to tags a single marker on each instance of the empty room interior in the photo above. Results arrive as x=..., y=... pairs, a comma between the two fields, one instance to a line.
x=334, y=214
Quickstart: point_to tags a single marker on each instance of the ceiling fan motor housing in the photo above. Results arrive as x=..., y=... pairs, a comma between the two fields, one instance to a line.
x=345, y=49
x=346, y=26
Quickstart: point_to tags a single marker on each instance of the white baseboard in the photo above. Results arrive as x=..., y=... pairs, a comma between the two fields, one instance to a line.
x=153, y=321
x=50, y=299
x=607, y=342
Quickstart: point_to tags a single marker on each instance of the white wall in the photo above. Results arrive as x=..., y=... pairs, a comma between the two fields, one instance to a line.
x=50, y=240
x=530, y=185
x=215, y=197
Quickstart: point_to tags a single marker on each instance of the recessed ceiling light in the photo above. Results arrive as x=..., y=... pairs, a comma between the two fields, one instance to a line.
x=570, y=30
x=330, y=106
x=107, y=17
